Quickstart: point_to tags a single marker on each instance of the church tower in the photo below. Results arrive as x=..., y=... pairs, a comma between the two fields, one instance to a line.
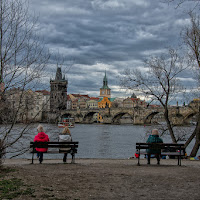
x=58, y=93
x=105, y=91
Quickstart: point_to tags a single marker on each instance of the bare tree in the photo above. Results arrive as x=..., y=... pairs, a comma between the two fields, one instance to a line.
x=191, y=38
x=23, y=59
x=158, y=80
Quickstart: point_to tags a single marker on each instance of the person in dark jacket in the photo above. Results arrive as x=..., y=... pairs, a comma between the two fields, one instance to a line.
x=154, y=138
x=41, y=137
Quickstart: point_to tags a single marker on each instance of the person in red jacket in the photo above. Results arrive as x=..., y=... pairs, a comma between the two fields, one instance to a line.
x=41, y=137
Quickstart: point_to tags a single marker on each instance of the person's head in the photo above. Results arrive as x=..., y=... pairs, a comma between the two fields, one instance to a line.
x=66, y=130
x=40, y=129
x=155, y=132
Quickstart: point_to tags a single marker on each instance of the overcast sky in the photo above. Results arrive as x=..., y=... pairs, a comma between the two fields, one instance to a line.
x=95, y=35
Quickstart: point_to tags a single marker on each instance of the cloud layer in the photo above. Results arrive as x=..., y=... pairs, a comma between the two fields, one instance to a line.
x=96, y=35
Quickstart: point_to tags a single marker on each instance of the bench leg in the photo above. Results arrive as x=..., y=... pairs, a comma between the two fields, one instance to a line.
x=73, y=158
x=32, y=158
x=148, y=158
x=138, y=161
x=179, y=160
x=139, y=158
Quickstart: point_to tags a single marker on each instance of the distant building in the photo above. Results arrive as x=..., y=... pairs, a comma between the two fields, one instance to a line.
x=105, y=91
x=80, y=96
x=74, y=104
x=42, y=98
x=27, y=105
x=69, y=103
x=105, y=102
x=58, y=93
x=77, y=101
x=118, y=102
x=45, y=99
x=92, y=103
x=82, y=103
x=133, y=102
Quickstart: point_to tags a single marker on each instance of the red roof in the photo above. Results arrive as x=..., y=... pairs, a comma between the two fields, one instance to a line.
x=94, y=98
x=135, y=99
x=85, y=95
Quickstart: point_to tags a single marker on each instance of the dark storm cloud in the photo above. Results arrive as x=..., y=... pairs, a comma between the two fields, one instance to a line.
x=101, y=34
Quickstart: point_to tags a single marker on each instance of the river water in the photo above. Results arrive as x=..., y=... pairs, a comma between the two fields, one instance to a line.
x=97, y=140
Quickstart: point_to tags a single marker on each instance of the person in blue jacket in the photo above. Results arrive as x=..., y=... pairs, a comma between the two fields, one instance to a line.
x=154, y=138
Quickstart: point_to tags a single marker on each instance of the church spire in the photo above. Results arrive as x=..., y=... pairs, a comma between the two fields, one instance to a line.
x=105, y=82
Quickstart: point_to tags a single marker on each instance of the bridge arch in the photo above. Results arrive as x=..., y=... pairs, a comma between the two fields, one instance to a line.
x=65, y=115
x=188, y=117
x=149, y=117
x=89, y=117
x=118, y=116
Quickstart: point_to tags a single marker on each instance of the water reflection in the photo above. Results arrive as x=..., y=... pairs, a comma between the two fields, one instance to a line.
x=105, y=142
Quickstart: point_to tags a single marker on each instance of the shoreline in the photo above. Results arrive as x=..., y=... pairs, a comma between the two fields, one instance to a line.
x=88, y=161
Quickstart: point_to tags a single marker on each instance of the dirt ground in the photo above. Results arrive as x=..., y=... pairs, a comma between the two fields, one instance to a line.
x=101, y=179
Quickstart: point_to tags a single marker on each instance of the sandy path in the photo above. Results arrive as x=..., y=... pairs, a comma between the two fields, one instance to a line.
x=109, y=179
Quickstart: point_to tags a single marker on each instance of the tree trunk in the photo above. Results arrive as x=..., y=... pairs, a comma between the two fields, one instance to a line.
x=197, y=133
x=195, y=149
x=190, y=138
x=169, y=126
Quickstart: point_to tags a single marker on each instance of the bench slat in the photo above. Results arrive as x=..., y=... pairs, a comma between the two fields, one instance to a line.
x=53, y=146
x=54, y=142
x=167, y=153
x=57, y=152
x=162, y=144
x=160, y=147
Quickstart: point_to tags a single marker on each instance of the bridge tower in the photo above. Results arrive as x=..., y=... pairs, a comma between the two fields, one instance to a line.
x=58, y=93
x=105, y=91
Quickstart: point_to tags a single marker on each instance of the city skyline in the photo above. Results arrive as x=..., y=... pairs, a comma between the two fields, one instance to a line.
x=112, y=35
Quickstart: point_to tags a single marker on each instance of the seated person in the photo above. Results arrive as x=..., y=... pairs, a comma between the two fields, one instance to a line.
x=41, y=137
x=154, y=138
x=65, y=136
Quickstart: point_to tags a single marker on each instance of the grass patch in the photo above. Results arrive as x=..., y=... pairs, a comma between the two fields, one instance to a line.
x=12, y=188
x=4, y=171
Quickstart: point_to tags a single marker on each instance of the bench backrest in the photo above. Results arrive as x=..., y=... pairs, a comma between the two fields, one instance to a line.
x=73, y=145
x=161, y=146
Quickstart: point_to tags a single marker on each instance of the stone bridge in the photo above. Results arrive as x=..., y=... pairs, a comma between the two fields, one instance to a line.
x=178, y=115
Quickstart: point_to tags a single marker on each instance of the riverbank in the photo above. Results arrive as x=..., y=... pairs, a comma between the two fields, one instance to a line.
x=107, y=179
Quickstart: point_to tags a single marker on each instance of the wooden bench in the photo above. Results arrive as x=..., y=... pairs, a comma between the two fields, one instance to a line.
x=72, y=146
x=167, y=149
